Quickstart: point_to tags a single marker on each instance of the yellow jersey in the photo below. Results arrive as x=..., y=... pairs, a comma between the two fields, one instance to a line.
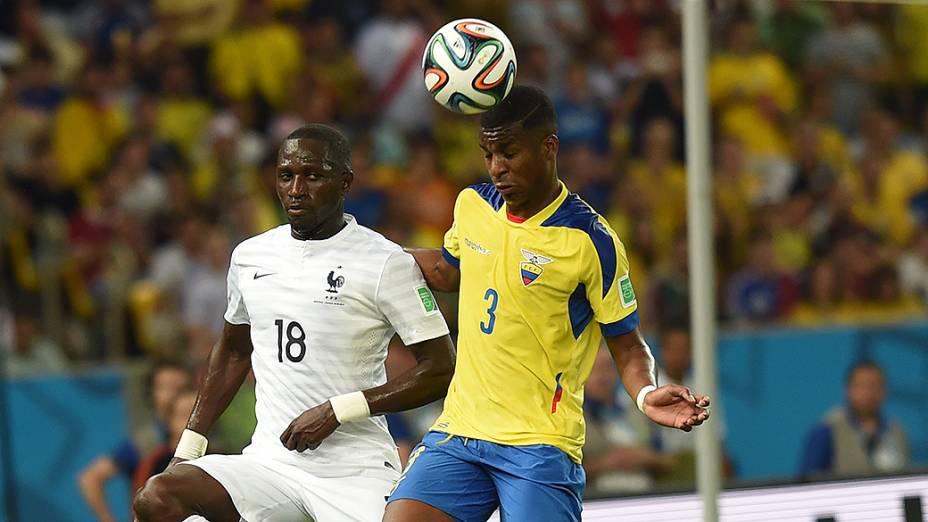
x=536, y=299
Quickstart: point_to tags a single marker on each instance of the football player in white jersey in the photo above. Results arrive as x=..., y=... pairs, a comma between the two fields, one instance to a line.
x=312, y=307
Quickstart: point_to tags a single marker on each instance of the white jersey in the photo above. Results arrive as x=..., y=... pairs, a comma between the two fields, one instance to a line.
x=322, y=314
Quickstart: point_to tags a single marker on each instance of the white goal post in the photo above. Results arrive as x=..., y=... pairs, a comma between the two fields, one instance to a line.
x=700, y=245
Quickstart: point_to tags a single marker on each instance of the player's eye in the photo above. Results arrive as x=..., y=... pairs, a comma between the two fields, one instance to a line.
x=285, y=176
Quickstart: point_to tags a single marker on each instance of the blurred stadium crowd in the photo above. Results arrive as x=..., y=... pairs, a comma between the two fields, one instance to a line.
x=138, y=142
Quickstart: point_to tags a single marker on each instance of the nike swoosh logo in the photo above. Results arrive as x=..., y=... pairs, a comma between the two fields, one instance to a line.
x=259, y=276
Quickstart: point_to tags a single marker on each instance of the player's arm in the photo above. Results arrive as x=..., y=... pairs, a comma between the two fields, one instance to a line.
x=633, y=360
x=670, y=405
x=92, y=481
x=425, y=382
x=228, y=364
x=611, y=295
x=440, y=274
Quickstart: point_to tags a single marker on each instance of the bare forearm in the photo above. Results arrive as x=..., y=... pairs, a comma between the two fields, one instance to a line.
x=92, y=490
x=435, y=269
x=633, y=360
x=636, y=366
x=229, y=364
x=424, y=383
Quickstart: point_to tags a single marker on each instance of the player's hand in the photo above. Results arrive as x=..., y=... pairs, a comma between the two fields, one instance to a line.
x=675, y=406
x=309, y=429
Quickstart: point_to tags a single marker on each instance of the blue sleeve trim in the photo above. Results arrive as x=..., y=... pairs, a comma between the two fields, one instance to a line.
x=453, y=261
x=818, y=452
x=605, y=249
x=622, y=326
x=577, y=214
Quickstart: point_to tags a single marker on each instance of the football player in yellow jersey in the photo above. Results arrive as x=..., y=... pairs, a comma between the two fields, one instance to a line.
x=542, y=279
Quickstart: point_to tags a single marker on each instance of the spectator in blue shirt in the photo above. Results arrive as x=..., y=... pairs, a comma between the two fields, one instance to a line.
x=165, y=382
x=761, y=291
x=580, y=119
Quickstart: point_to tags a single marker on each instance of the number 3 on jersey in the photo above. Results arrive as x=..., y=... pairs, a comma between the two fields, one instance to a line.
x=298, y=339
x=493, y=297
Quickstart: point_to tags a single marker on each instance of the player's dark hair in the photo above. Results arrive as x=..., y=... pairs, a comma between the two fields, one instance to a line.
x=341, y=148
x=862, y=365
x=525, y=105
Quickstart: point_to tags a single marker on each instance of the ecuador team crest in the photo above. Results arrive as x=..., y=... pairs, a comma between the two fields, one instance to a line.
x=531, y=268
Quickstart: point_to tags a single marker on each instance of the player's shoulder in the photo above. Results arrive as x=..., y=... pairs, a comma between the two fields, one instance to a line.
x=260, y=245
x=598, y=243
x=372, y=245
x=576, y=214
x=377, y=255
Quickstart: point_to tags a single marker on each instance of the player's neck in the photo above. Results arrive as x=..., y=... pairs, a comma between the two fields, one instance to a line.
x=530, y=208
x=323, y=230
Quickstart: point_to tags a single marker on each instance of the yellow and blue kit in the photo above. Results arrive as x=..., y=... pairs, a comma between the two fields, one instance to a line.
x=536, y=299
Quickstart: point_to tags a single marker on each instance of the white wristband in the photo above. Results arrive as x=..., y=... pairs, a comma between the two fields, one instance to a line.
x=192, y=445
x=350, y=406
x=641, y=395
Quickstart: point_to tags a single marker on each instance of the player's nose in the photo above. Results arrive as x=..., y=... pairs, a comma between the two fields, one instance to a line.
x=297, y=188
x=497, y=167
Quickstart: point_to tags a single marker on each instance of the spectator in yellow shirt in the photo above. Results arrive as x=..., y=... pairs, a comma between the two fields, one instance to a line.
x=886, y=180
x=661, y=181
x=182, y=117
x=752, y=91
x=85, y=128
x=259, y=57
x=822, y=300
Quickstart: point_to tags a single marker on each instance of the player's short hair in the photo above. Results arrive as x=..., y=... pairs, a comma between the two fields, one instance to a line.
x=337, y=142
x=862, y=365
x=525, y=105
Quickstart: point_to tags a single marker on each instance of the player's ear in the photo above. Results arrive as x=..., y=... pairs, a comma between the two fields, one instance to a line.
x=347, y=179
x=550, y=146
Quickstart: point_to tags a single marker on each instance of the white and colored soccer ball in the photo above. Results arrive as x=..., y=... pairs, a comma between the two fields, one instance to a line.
x=469, y=65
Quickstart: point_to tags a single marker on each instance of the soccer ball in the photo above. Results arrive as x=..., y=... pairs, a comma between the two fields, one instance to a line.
x=469, y=66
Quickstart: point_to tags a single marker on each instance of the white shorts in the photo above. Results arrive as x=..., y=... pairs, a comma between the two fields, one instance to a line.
x=266, y=490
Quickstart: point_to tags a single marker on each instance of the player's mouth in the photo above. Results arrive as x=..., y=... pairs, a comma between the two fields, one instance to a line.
x=505, y=190
x=296, y=211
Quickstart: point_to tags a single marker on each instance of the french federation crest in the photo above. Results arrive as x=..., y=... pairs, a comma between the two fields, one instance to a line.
x=531, y=269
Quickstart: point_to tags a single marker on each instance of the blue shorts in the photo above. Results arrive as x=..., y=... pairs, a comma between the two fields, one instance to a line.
x=469, y=478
